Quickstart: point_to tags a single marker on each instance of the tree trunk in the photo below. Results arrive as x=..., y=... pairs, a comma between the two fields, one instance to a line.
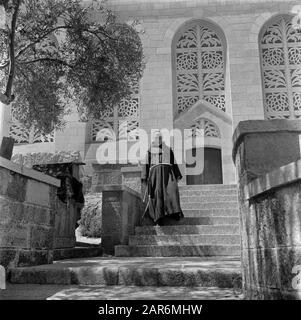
x=6, y=142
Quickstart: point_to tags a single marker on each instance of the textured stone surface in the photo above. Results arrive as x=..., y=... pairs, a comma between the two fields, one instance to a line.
x=131, y=177
x=38, y=158
x=186, y=229
x=265, y=149
x=175, y=271
x=72, y=292
x=77, y=252
x=185, y=239
x=177, y=250
x=211, y=229
x=121, y=213
x=27, y=211
x=270, y=215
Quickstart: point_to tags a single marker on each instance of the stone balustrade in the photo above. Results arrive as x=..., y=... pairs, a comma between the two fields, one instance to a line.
x=28, y=205
x=267, y=157
x=121, y=213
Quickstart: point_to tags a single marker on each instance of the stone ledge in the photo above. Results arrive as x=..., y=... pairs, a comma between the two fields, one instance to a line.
x=117, y=188
x=29, y=173
x=39, y=158
x=262, y=126
x=130, y=169
x=282, y=176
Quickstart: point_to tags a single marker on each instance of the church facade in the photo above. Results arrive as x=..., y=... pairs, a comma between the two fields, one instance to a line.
x=208, y=65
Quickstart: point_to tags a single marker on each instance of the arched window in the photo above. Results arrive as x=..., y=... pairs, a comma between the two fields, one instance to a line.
x=121, y=121
x=210, y=129
x=23, y=135
x=199, y=60
x=280, y=49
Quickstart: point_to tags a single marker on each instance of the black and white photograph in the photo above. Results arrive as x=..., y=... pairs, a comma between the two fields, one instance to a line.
x=150, y=151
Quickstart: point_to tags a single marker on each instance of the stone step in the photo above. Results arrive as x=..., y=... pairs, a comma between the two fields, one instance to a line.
x=186, y=229
x=103, y=292
x=194, y=213
x=177, y=251
x=208, y=193
x=184, y=240
x=209, y=187
x=210, y=205
x=223, y=272
x=210, y=199
x=77, y=252
x=213, y=220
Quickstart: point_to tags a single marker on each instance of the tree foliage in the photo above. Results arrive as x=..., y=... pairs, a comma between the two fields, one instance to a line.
x=55, y=53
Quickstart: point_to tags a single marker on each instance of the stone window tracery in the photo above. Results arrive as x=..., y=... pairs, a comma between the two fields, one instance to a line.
x=199, y=66
x=280, y=49
x=210, y=129
x=121, y=121
x=23, y=135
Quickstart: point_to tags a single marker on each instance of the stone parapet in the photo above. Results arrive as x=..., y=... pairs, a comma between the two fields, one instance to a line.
x=131, y=177
x=267, y=157
x=28, y=205
x=121, y=213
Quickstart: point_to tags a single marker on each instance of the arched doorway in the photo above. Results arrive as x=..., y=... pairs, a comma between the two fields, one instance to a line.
x=204, y=165
x=212, y=172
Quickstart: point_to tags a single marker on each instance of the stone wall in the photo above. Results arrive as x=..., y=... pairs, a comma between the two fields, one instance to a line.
x=28, y=205
x=121, y=212
x=267, y=157
x=272, y=247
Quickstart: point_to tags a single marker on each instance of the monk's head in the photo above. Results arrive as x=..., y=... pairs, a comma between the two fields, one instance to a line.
x=157, y=139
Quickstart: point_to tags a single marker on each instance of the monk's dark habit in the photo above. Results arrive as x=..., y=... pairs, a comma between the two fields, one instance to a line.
x=160, y=173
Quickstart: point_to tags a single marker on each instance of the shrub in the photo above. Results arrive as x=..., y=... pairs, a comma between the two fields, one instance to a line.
x=90, y=222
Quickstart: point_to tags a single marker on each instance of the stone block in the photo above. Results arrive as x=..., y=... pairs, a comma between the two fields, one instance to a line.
x=14, y=235
x=27, y=210
x=41, y=237
x=37, y=193
x=270, y=202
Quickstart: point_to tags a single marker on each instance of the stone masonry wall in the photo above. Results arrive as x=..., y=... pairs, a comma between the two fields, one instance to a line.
x=267, y=157
x=27, y=212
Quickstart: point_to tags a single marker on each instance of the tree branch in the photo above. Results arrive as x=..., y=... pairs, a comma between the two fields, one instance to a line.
x=4, y=65
x=11, y=73
x=48, y=59
x=96, y=34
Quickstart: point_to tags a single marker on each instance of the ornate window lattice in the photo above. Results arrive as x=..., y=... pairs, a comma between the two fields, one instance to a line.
x=280, y=47
x=120, y=122
x=200, y=67
x=23, y=135
x=210, y=129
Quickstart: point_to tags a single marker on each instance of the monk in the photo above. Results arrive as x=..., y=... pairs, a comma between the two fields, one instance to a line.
x=160, y=174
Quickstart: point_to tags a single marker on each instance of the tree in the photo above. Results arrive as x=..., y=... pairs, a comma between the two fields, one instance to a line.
x=57, y=52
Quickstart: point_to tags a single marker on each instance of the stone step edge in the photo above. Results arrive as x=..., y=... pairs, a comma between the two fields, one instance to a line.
x=188, y=225
x=233, y=246
x=209, y=186
x=209, y=202
x=141, y=276
x=186, y=234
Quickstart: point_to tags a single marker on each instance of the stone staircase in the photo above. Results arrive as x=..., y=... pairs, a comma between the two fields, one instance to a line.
x=210, y=227
x=196, y=258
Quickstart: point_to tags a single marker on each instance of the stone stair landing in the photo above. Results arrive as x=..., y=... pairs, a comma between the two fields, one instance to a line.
x=210, y=227
x=173, y=272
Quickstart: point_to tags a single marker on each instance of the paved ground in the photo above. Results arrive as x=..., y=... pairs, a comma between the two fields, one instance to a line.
x=180, y=265
x=61, y=292
x=220, y=263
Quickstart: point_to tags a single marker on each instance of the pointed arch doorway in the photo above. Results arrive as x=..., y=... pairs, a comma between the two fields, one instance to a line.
x=210, y=155
x=212, y=173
